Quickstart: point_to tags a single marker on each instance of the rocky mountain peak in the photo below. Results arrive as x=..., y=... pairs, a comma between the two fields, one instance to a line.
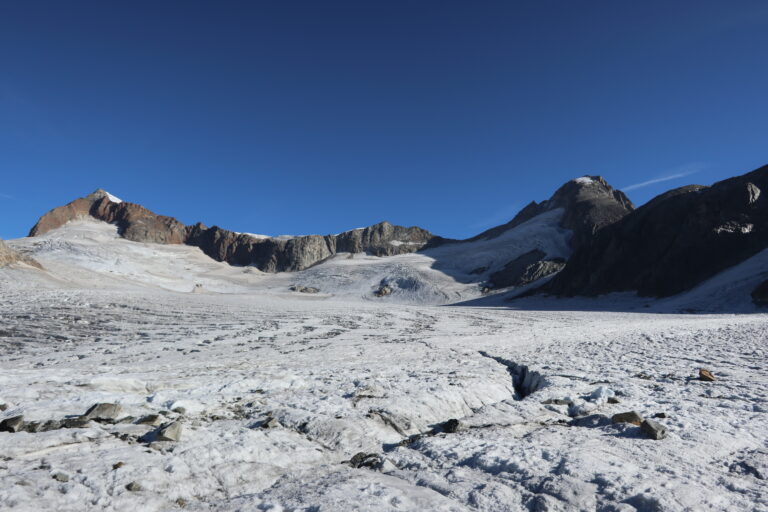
x=589, y=203
x=587, y=188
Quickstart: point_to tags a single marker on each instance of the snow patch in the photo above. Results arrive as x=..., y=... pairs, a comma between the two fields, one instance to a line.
x=112, y=198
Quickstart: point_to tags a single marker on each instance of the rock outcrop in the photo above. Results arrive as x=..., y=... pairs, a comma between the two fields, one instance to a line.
x=525, y=269
x=9, y=256
x=673, y=242
x=383, y=239
x=139, y=224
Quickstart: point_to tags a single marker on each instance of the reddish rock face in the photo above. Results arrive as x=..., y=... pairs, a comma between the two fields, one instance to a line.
x=136, y=223
x=77, y=209
x=133, y=221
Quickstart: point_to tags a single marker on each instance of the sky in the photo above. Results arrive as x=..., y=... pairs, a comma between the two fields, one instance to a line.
x=316, y=117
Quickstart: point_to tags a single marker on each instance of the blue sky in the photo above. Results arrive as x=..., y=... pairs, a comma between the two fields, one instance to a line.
x=316, y=117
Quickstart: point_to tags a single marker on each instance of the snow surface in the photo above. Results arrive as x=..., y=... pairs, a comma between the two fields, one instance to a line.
x=345, y=372
x=113, y=198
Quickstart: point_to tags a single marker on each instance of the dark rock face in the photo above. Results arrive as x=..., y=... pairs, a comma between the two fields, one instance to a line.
x=673, y=242
x=268, y=254
x=760, y=294
x=298, y=253
x=589, y=204
x=526, y=269
x=383, y=239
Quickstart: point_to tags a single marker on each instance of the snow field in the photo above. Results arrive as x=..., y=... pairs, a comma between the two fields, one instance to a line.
x=343, y=380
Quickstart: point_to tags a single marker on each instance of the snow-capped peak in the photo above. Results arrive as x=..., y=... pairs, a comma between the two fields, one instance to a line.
x=100, y=193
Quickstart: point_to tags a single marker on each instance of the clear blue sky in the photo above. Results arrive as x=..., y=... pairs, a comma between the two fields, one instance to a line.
x=320, y=116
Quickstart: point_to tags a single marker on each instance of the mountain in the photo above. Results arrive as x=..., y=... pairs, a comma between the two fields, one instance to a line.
x=280, y=254
x=588, y=204
x=581, y=207
x=586, y=239
x=673, y=242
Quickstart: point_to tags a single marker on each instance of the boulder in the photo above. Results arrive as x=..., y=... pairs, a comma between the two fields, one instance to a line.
x=304, y=289
x=653, y=429
x=270, y=422
x=78, y=422
x=632, y=417
x=450, y=427
x=366, y=460
x=42, y=426
x=170, y=432
x=706, y=375
x=150, y=419
x=526, y=269
x=103, y=412
x=60, y=477
x=12, y=424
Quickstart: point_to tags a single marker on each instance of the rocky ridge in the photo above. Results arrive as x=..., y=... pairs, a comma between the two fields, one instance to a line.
x=139, y=224
x=615, y=246
x=674, y=241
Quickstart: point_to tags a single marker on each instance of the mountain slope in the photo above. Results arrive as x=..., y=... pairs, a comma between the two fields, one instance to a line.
x=673, y=242
x=589, y=203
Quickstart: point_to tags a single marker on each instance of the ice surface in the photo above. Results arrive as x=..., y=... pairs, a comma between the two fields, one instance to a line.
x=341, y=372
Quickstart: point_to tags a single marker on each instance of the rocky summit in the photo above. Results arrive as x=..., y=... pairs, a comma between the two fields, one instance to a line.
x=589, y=203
